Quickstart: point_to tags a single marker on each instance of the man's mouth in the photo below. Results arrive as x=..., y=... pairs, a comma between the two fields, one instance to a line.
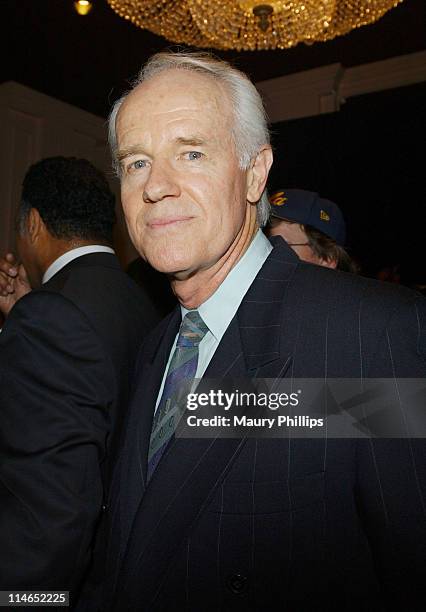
x=163, y=222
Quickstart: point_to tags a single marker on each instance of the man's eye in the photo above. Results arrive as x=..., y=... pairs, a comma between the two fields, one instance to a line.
x=136, y=165
x=192, y=155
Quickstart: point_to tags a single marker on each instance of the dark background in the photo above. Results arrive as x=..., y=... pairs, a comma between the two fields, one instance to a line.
x=367, y=157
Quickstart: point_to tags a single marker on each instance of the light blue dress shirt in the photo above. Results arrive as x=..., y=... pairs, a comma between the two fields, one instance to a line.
x=218, y=311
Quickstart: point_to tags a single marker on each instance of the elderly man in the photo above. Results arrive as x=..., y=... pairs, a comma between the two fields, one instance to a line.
x=67, y=351
x=249, y=524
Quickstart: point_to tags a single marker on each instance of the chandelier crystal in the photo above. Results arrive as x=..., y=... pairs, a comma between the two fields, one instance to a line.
x=249, y=25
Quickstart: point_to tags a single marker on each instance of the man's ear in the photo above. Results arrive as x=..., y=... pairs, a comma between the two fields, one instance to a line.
x=257, y=174
x=35, y=224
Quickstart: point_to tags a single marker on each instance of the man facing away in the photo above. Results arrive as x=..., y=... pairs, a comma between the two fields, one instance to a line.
x=66, y=356
x=250, y=524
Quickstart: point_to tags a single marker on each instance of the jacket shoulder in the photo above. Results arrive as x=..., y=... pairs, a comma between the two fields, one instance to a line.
x=347, y=288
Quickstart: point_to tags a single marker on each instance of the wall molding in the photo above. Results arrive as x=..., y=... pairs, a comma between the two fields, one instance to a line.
x=323, y=90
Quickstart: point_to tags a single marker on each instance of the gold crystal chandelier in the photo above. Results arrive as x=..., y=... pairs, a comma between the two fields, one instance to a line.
x=250, y=24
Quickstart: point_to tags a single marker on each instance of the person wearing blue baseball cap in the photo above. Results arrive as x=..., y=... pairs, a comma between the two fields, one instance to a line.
x=312, y=226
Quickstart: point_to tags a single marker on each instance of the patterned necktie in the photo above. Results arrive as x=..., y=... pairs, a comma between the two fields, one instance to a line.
x=180, y=376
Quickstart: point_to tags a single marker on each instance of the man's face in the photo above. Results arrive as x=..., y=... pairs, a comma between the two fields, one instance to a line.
x=295, y=236
x=184, y=196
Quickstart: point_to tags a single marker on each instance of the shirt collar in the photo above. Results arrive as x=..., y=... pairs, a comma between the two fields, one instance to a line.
x=65, y=259
x=218, y=311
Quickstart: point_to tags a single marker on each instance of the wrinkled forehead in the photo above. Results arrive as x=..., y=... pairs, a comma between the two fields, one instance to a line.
x=177, y=92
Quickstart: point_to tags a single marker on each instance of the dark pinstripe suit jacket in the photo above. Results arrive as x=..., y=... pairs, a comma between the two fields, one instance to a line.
x=272, y=524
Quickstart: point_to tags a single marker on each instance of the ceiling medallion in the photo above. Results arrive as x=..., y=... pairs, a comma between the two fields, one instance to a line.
x=250, y=25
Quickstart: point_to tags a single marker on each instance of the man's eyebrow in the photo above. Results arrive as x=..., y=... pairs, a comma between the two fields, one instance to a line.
x=127, y=151
x=194, y=141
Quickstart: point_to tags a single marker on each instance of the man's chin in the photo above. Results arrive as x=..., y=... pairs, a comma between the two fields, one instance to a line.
x=173, y=267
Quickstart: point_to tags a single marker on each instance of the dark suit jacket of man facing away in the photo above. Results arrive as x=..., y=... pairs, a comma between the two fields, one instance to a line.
x=67, y=354
x=272, y=524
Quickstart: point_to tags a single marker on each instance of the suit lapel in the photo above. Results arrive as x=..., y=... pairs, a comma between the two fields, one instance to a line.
x=190, y=470
x=129, y=481
x=261, y=315
x=149, y=384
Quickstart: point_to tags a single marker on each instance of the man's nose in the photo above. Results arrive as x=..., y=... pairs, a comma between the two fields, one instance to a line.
x=161, y=183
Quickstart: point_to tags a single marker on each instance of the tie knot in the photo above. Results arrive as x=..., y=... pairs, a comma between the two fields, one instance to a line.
x=192, y=330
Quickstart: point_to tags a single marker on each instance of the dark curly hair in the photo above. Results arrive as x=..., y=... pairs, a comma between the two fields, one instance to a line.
x=72, y=197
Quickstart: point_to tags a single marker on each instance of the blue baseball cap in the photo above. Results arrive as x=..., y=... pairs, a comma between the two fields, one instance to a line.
x=307, y=208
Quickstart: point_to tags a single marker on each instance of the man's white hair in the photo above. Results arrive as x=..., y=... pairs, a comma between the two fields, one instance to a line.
x=250, y=130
